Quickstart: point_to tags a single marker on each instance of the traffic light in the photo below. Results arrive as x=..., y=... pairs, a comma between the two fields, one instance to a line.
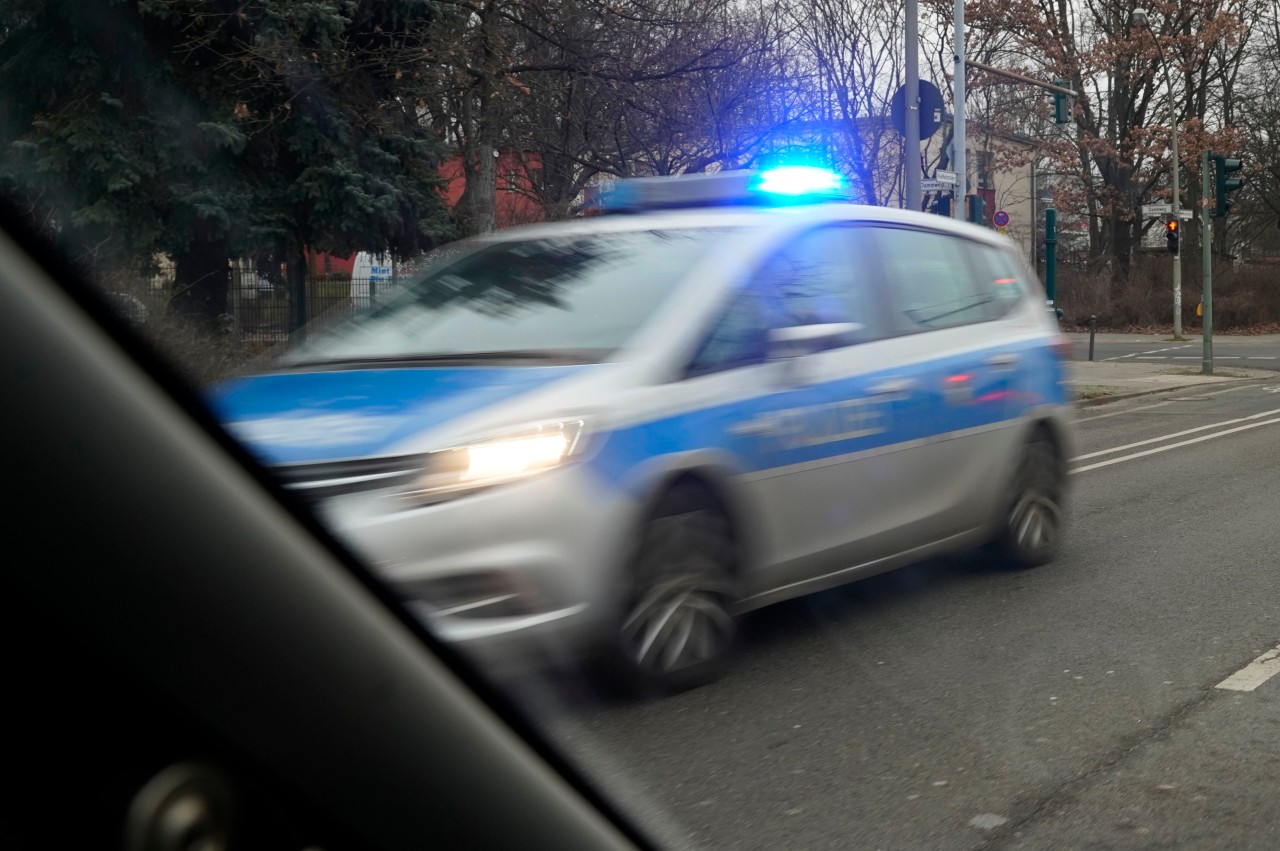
x=974, y=212
x=1061, y=106
x=941, y=205
x=1171, y=235
x=1223, y=185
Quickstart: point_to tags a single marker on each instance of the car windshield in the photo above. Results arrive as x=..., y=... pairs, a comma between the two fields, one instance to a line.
x=570, y=297
x=818, y=491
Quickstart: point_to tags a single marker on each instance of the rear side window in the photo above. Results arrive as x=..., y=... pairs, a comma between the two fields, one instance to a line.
x=1000, y=275
x=932, y=280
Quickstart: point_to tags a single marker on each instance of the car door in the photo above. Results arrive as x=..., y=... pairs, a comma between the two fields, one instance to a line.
x=813, y=443
x=961, y=365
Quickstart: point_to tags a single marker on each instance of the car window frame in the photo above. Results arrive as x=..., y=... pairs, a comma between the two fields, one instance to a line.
x=874, y=279
x=900, y=325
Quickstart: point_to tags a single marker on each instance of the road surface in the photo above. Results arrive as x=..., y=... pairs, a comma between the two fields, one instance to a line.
x=1260, y=352
x=951, y=705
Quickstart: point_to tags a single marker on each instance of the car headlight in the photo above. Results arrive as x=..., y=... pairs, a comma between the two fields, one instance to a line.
x=495, y=460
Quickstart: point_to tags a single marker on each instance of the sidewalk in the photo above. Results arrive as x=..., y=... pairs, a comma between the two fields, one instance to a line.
x=1097, y=382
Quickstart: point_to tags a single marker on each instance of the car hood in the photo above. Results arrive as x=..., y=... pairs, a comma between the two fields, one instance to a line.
x=290, y=418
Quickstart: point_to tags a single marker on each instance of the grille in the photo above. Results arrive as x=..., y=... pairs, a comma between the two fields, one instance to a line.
x=317, y=482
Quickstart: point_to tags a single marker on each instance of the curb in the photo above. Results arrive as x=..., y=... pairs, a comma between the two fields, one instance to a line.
x=1106, y=400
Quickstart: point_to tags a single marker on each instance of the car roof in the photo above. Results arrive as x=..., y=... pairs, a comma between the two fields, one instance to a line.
x=744, y=217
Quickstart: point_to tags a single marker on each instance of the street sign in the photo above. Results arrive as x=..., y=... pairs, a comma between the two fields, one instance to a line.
x=1156, y=209
x=1000, y=219
x=1184, y=214
x=946, y=177
x=930, y=110
x=934, y=186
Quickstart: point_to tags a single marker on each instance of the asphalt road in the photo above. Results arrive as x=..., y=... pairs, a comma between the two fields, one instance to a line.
x=951, y=705
x=1260, y=352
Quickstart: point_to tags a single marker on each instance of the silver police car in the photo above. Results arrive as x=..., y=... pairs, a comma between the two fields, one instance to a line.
x=613, y=435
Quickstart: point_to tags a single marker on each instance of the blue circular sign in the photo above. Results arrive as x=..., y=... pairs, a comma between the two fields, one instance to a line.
x=1001, y=218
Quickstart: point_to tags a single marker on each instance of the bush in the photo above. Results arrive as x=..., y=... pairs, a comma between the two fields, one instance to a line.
x=1245, y=297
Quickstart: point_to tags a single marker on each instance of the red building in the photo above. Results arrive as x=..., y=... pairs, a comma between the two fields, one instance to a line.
x=514, y=203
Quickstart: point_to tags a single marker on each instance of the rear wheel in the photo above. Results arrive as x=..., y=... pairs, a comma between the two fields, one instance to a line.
x=676, y=629
x=1032, y=525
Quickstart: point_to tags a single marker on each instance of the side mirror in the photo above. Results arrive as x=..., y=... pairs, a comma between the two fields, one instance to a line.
x=798, y=340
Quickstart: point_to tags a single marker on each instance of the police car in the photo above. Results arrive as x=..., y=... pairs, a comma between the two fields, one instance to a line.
x=614, y=435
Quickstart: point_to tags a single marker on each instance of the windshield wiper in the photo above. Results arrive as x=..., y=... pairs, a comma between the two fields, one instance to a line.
x=548, y=356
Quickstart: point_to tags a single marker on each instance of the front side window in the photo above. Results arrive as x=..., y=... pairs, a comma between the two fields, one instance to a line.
x=816, y=279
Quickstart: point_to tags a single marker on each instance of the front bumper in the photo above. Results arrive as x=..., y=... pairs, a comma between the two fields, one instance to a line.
x=519, y=573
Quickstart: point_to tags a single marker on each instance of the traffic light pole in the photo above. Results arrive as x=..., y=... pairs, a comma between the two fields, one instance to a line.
x=1051, y=255
x=1177, y=208
x=1206, y=255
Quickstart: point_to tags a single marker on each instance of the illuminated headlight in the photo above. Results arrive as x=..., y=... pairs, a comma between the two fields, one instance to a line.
x=495, y=460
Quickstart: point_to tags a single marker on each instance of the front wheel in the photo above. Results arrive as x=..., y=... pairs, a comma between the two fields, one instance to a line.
x=1032, y=526
x=676, y=629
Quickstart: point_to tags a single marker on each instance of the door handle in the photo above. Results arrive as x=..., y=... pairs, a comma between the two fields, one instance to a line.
x=892, y=386
x=1007, y=360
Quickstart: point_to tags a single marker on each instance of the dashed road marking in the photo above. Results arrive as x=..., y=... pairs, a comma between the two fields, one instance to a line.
x=1255, y=673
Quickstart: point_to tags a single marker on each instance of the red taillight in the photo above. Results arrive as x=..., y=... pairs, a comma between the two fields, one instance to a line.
x=1063, y=347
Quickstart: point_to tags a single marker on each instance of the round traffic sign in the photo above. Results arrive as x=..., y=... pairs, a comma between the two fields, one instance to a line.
x=931, y=110
x=1001, y=218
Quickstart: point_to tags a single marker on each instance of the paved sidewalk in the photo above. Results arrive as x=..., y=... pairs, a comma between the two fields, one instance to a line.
x=1104, y=381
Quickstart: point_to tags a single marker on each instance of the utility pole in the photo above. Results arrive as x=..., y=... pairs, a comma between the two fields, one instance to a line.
x=1206, y=268
x=957, y=110
x=912, y=154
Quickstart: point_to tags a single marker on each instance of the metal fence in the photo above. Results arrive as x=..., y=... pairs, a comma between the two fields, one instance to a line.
x=260, y=310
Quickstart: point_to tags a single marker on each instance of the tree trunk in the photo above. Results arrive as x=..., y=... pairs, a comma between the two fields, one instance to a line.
x=480, y=171
x=202, y=276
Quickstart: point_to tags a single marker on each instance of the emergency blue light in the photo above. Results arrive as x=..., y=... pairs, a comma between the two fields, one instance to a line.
x=793, y=184
x=796, y=180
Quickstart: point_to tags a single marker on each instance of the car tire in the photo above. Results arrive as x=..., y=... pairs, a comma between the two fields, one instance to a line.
x=676, y=629
x=1033, y=517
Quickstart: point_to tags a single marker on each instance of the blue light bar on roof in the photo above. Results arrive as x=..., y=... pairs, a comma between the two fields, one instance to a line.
x=783, y=185
x=798, y=180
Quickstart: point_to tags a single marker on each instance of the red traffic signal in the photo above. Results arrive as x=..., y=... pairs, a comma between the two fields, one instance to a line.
x=1171, y=235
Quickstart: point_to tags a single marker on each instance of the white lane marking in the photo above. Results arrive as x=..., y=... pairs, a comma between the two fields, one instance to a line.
x=1229, y=390
x=1226, y=357
x=1139, y=355
x=1261, y=357
x=1145, y=357
x=1165, y=437
x=1118, y=413
x=1200, y=439
x=1255, y=673
x=1162, y=404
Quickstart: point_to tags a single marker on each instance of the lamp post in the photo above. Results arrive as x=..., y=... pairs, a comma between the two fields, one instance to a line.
x=1141, y=18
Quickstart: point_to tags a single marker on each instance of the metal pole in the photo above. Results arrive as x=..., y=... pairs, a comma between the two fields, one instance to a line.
x=957, y=110
x=1051, y=254
x=1206, y=268
x=1177, y=194
x=912, y=154
x=1093, y=329
x=1177, y=207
